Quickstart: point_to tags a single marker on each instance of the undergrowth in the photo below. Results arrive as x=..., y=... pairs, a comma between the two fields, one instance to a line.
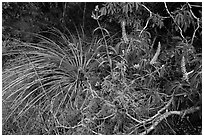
x=67, y=85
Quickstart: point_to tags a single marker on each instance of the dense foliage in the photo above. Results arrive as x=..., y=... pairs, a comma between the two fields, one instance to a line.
x=102, y=68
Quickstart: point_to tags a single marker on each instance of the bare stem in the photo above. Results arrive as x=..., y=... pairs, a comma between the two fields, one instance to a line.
x=107, y=52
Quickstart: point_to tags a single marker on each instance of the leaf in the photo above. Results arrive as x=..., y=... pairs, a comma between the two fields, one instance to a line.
x=103, y=11
x=178, y=19
x=130, y=7
x=123, y=9
x=136, y=5
x=161, y=24
x=101, y=28
x=177, y=38
x=170, y=89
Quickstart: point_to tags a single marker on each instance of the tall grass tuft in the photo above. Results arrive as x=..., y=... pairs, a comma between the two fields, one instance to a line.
x=48, y=76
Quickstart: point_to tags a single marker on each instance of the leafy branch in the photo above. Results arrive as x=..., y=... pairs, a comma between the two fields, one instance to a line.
x=181, y=33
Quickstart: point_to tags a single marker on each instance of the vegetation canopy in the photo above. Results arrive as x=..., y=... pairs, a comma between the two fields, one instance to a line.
x=101, y=68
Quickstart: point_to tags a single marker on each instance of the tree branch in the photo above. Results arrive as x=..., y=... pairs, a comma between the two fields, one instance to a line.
x=165, y=115
x=181, y=33
x=198, y=25
x=150, y=17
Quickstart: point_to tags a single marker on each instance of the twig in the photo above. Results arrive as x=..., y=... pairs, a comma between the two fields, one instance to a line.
x=133, y=118
x=174, y=132
x=65, y=127
x=197, y=6
x=96, y=16
x=150, y=17
x=162, y=109
x=198, y=25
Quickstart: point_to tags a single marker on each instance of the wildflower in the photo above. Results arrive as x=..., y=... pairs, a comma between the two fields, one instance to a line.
x=183, y=69
x=154, y=59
